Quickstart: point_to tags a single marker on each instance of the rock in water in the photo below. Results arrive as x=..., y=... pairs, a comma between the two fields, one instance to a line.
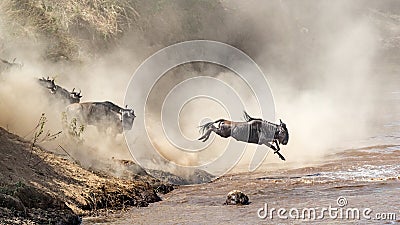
x=236, y=197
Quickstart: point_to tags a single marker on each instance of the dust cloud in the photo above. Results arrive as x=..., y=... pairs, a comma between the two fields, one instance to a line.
x=325, y=89
x=317, y=56
x=23, y=99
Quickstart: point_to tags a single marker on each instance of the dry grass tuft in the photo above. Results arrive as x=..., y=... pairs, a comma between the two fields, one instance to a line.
x=66, y=24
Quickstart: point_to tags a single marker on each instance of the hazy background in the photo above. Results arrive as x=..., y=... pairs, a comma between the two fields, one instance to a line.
x=326, y=63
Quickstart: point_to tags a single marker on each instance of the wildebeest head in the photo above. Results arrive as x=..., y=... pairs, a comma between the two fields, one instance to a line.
x=282, y=133
x=128, y=116
x=75, y=97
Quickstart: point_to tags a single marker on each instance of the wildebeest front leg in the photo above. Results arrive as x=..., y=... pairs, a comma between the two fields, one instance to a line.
x=265, y=139
x=276, y=151
x=271, y=146
x=277, y=145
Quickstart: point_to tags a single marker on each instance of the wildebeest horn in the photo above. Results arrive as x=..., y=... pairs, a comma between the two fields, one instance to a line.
x=79, y=94
x=73, y=90
x=280, y=121
x=126, y=106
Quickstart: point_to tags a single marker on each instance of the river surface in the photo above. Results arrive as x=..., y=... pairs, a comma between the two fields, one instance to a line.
x=362, y=179
x=354, y=186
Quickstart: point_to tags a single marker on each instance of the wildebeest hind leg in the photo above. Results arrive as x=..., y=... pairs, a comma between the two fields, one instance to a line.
x=205, y=137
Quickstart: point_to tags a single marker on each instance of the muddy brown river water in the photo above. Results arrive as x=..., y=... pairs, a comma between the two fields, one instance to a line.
x=354, y=186
x=361, y=179
x=371, y=184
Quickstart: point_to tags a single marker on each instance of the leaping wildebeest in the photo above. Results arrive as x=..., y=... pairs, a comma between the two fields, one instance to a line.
x=59, y=92
x=102, y=115
x=253, y=130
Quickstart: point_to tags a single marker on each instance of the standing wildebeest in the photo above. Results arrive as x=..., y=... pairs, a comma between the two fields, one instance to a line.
x=254, y=130
x=59, y=92
x=102, y=115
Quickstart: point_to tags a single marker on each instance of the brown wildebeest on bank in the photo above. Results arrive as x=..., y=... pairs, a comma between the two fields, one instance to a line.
x=60, y=93
x=103, y=115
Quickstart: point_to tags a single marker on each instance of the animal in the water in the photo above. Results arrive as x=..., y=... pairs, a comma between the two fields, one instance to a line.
x=237, y=197
x=60, y=93
x=103, y=115
x=253, y=130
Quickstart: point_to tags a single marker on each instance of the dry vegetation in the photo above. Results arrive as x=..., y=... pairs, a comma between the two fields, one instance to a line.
x=74, y=29
x=68, y=24
x=39, y=186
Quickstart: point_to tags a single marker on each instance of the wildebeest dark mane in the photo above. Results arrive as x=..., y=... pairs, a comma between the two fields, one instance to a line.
x=110, y=105
x=248, y=118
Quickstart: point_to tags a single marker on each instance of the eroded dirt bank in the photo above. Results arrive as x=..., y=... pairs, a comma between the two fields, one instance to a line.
x=39, y=187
